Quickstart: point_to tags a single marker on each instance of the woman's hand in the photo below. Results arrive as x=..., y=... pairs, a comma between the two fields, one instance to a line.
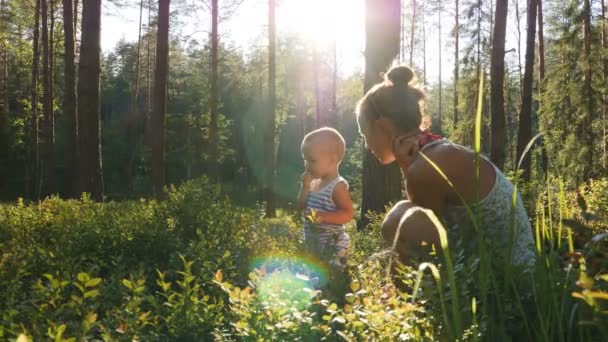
x=405, y=149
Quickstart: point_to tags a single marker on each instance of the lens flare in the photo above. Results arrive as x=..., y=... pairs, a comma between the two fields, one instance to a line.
x=288, y=281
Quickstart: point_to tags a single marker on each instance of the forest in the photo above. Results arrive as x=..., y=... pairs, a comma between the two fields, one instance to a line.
x=151, y=157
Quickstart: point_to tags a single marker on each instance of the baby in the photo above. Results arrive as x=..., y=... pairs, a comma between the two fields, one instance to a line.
x=324, y=198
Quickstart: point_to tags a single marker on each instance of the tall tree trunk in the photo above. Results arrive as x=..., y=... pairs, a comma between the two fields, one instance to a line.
x=89, y=132
x=33, y=170
x=75, y=19
x=403, y=38
x=160, y=99
x=46, y=141
x=213, y=167
x=498, y=135
x=52, y=68
x=440, y=114
x=456, y=60
x=423, y=46
x=148, y=105
x=525, y=117
x=381, y=185
x=333, y=111
x=605, y=96
x=317, y=84
x=478, y=38
x=518, y=39
x=270, y=127
x=412, y=31
x=133, y=119
x=588, y=93
x=541, y=81
x=69, y=102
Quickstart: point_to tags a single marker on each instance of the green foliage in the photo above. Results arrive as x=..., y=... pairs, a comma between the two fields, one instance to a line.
x=196, y=267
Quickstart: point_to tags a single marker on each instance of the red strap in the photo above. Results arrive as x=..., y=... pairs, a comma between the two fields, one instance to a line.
x=426, y=137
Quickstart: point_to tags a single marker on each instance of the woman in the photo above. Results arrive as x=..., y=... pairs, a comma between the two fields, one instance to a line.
x=390, y=119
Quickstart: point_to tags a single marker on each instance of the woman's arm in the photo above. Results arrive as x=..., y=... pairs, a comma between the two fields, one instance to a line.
x=344, y=212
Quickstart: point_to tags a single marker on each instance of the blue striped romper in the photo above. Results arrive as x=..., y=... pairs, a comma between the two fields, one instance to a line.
x=326, y=241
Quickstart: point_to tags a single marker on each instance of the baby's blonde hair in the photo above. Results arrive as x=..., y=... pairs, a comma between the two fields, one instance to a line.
x=332, y=137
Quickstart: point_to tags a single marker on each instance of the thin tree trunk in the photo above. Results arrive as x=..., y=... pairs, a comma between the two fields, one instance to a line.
x=456, y=60
x=402, y=41
x=46, y=141
x=525, y=117
x=213, y=167
x=478, y=38
x=75, y=19
x=160, y=99
x=541, y=81
x=133, y=119
x=52, y=69
x=381, y=185
x=270, y=128
x=498, y=137
x=333, y=121
x=518, y=38
x=440, y=118
x=412, y=32
x=5, y=104
x=148, y=110
x=424, y=82
x=317, y=85
x=605, y=96
x=89, y=132
x=33, y=170
x=69, y=102
x=588, y=92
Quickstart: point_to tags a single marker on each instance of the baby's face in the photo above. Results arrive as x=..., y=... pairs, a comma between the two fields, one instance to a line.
x=318, y=160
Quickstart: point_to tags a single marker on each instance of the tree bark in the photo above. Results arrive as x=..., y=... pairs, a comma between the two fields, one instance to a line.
x=605, y=96
x=588, y=92
x=412, y=32
x=381, y=185
x=148, y=102
x=270, y=126
x=160, y=99
x=133, y=118
x=89, y=133
x=213, y=167
x=541, y=83
x=69, y=102
x=440, y=114
x=456, y=60
x=46, y=140
x=498, y=135
x=520, y=74
x=33, y=170
x=525, y=117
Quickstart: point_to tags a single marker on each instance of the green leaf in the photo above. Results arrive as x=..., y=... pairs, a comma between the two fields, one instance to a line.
x=83, y=277
x=91, y=294
x=93, y=282
x=127, y=283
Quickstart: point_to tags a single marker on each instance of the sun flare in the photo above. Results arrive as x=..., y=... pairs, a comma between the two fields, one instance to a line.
x=322, y=21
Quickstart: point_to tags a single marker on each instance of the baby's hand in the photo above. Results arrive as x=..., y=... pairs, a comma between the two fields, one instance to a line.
x=306, y=179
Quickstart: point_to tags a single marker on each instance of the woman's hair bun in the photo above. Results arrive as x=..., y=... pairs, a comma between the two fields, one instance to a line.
x=399, y=75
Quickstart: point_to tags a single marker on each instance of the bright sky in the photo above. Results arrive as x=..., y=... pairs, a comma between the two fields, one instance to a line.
x=250, y=21
x=315, y=19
